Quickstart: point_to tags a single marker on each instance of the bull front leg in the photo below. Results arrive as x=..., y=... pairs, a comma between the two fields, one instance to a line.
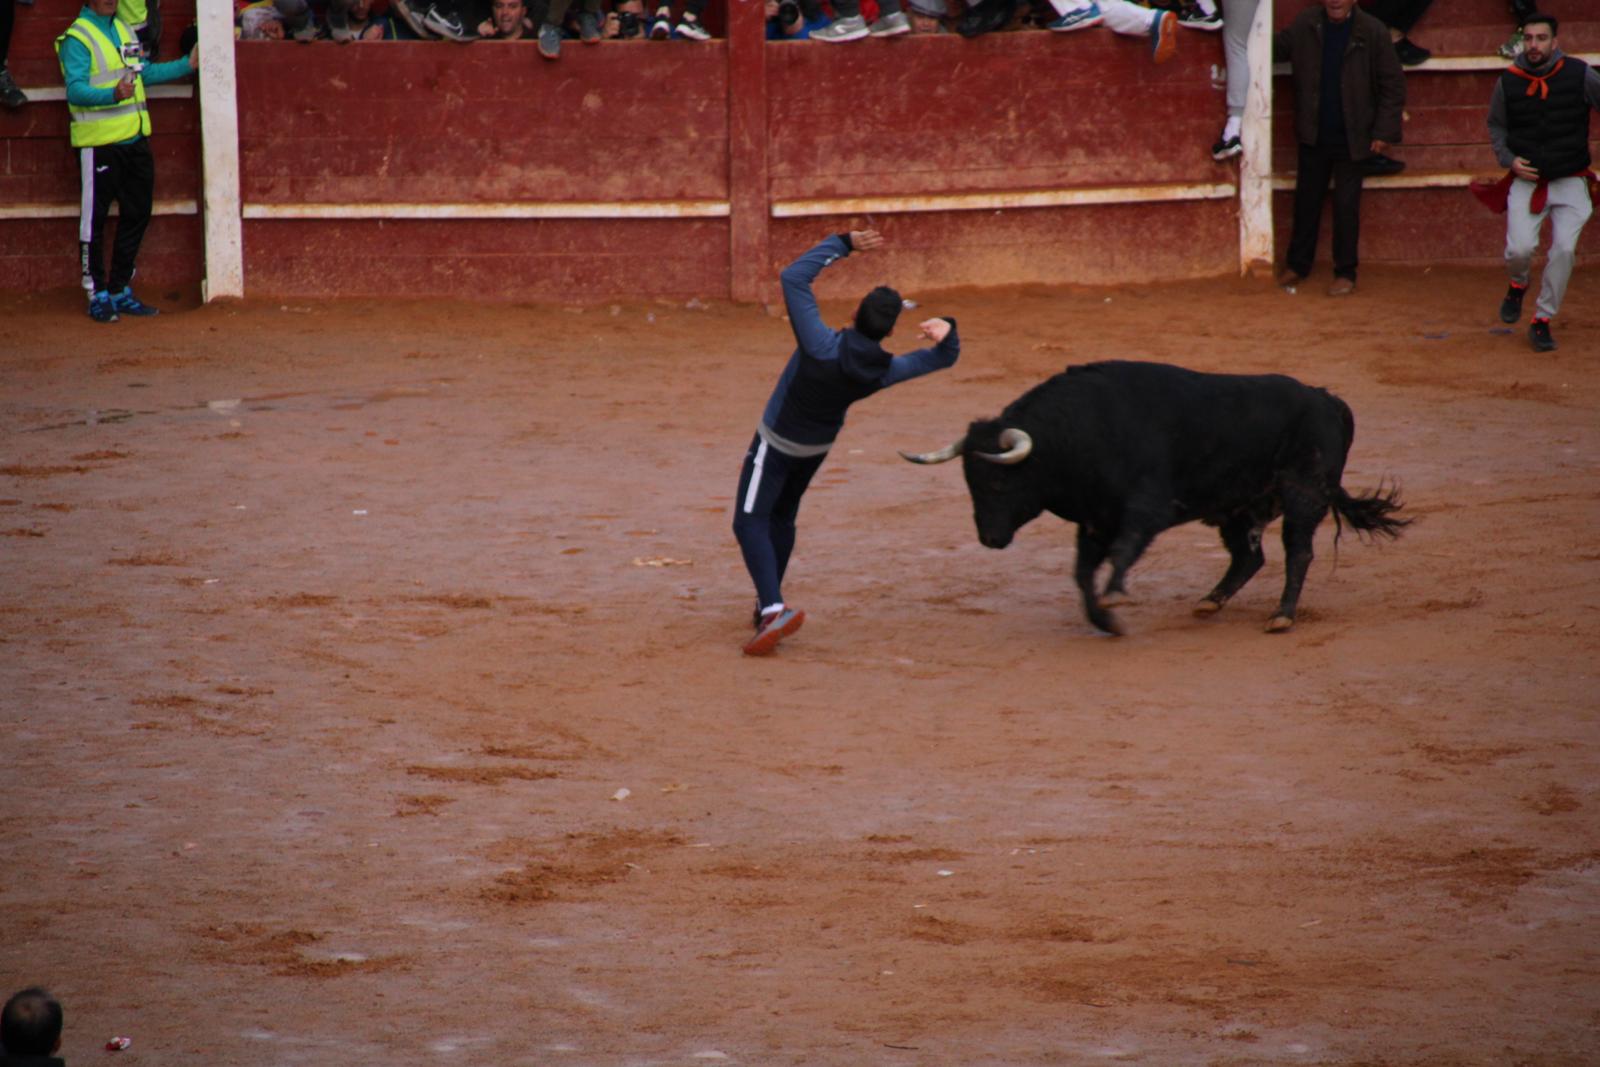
x=1241, y=535
x=1092, y=553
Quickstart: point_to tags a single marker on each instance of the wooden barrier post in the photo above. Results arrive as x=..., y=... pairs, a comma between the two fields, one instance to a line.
x=219, y=137
x=749, y=222
x=1255, y=166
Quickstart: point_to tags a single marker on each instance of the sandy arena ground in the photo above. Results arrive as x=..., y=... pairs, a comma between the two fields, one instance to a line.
x=372, y=694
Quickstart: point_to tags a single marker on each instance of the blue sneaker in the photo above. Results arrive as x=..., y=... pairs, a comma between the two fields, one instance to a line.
x=101, y=309
x=129, y=304
x=1080, y=18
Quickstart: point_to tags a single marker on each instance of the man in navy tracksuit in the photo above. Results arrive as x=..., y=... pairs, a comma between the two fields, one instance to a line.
x=831, y=370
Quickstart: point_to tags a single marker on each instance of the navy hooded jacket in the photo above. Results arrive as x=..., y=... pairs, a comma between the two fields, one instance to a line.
x=832, y=369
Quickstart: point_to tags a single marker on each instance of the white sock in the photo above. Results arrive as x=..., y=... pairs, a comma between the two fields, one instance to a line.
x=772, y=609
x=1232, y=127
x=1208, y=6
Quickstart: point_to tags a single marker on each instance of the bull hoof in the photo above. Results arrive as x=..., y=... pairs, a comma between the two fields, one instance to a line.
x=1206, y=608
x=1116, y=599
x=1279, y=624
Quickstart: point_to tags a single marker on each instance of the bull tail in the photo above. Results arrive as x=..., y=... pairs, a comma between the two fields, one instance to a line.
x=1371, y=515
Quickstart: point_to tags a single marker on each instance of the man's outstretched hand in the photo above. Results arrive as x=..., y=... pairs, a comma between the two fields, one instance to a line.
x=935, y=330
x=865, y=240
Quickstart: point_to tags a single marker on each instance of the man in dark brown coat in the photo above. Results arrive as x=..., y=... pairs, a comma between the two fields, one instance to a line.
x=1349, y=92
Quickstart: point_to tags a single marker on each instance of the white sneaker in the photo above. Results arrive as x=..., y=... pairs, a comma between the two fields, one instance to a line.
x=891, y=25
x=840, y=30
x=692, y=29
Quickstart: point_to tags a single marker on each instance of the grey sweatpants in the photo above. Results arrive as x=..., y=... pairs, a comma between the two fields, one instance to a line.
x=1237, y=15
x=1569, y=208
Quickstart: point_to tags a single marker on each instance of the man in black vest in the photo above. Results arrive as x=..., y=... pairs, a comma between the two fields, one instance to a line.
x=1539, y=127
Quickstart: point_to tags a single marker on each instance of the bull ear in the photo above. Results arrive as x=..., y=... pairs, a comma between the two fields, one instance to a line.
x=1017, y=445
x=948, y=452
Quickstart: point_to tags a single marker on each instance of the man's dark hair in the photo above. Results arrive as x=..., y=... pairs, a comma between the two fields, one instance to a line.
x=879, y=311
x=31, y=1023
x=1549, y=20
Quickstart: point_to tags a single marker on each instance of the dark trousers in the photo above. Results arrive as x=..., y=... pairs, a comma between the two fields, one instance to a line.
x=1317, y=165
x=770, y=487
x=125, y=174
x=8, y=15
x=1398, y=14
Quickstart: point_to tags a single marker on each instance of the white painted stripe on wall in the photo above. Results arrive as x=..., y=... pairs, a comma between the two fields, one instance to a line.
x=1001, y=200
x=550, y=209
x=72, y=211
x=47, y=93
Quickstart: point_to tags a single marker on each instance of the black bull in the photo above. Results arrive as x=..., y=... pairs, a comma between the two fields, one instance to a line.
x=1126, y=450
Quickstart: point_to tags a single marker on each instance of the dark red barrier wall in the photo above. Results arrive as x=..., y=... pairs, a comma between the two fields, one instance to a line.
x=748, y=127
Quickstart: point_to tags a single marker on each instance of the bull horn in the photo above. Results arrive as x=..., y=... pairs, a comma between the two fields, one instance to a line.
x=1017, y=445
x=948, y=452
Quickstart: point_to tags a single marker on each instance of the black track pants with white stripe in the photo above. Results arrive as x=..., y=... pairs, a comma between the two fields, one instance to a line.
x=124, y=174
x=770, y=487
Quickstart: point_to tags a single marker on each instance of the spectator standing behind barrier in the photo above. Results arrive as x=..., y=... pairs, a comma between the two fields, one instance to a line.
x=10, y=96
x=110, y=129
x=1539, y=127
x=828, y=371
x=1119, y=16
x=1349, y=95
x=30, y=1029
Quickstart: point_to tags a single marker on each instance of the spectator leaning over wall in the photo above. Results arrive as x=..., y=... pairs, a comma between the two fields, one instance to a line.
x=1539, y=127
x=353, y=20
x=100, y=60
x=1349, y=95
x=548, y=15
x=849, y=25
x=1122, y=17
x=508, y=21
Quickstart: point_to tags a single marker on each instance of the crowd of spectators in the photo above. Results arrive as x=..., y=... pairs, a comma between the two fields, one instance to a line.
x=552, y=22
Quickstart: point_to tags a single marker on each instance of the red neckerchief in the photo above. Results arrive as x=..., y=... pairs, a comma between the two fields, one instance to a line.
x=1539, y=83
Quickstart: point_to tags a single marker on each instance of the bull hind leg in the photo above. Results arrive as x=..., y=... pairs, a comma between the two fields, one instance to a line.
x=1302, y=513
x=1242, y=537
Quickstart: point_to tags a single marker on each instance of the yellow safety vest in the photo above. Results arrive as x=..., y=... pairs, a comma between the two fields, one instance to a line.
x=120, y=120
x=134, y=12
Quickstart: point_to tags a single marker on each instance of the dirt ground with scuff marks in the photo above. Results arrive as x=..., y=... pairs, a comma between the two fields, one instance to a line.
x=372, y=693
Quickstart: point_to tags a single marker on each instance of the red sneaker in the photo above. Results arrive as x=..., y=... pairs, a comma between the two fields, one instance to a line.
x=774, y=629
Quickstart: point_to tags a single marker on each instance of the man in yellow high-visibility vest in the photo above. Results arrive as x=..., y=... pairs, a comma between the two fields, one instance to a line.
x=102, y=62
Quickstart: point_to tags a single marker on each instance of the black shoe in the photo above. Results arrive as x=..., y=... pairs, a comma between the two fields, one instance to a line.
x=1411, y=54
x=1511, y=306
x=1226, y=148
x=10, y=96
x=1539, y=336
x=1379, y=166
